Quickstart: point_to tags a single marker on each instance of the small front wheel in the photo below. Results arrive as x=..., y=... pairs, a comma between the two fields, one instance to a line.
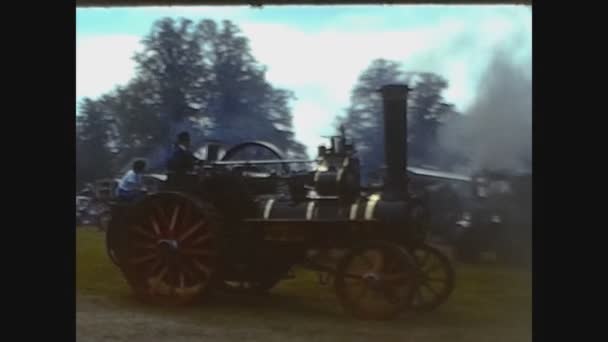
x=436, y=281
x=376, y=281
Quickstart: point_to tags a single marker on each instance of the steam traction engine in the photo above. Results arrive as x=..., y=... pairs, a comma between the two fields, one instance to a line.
x=237, y=223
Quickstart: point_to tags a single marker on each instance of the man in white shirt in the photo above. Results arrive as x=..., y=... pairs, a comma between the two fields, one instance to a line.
x=131, y=186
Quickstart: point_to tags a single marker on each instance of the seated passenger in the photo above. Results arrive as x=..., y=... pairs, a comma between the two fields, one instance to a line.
x=131, y=187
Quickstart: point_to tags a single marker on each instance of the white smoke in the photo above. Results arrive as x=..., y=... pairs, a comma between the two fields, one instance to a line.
x=496, y=131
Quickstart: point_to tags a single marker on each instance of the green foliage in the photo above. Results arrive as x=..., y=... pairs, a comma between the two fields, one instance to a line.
x=197, y=77
x=427, y=110
x=93, y=138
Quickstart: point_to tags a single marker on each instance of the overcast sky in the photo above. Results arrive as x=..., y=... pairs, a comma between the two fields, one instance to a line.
x=319, y=51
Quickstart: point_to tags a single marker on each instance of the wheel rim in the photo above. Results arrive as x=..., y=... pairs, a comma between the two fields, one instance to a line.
x=436, y=281
x=376, y=282
x=171, y=252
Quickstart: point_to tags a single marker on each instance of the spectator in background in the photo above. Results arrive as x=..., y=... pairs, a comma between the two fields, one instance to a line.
x=131, y=187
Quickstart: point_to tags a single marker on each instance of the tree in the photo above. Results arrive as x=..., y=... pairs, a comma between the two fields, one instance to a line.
x=93, y=144
x=138, y=124
x=172, y=67
x=242, y=103
x=426, y=111
x=206, y=71
x=201, y=78
x=363, y=119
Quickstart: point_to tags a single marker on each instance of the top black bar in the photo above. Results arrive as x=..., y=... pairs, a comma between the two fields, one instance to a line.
x=118, y=3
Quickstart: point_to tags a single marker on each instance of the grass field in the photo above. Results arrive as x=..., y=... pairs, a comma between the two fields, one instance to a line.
x=489, y=304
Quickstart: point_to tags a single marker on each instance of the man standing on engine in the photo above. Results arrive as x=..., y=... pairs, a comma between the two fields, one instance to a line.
x=182, y=161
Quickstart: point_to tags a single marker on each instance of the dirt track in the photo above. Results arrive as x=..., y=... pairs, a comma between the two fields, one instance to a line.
x=100, y=320
x=489, y=304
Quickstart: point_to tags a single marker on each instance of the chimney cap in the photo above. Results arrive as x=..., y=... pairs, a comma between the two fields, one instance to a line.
x=395, y=91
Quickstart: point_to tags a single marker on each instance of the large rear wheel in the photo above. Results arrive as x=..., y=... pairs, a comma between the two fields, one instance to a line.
x=171, y=253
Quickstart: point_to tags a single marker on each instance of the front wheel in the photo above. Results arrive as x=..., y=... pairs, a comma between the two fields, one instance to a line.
x=376, y=281
x=436, y=281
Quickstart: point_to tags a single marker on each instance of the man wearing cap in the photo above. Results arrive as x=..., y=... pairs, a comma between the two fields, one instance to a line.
x=182, y=160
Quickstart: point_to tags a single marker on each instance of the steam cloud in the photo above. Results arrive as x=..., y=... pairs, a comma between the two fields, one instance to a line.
x=496, y=132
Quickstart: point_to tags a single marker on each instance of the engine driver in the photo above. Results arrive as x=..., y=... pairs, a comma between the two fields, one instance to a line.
x=182, y=161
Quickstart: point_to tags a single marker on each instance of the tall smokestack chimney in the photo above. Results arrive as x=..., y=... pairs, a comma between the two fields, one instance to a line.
x=213, y=151
x=394, y=98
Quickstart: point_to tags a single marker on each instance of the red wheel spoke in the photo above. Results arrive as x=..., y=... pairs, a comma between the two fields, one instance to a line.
x=174, y=218
x=156, y=283
x=187, y=213
x=201, y=239
x=194, y=251
x=190, y=231
x=167, y=254
x=142, y=232
x=162, y=273
x=153, y=267
x=145, y=245
x=155, y=226
x=142, y=259
x=161, y=214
